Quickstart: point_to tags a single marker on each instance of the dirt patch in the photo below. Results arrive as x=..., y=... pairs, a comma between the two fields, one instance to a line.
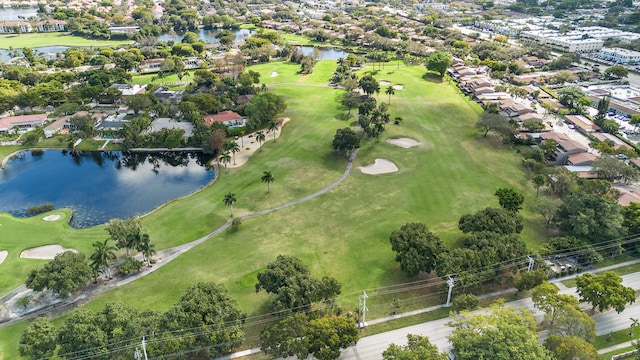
x=52, y=217
x=403, y=142
x=47, y=252
x=384, y=83
x=380, y=166
x=3, y=255
x=398, y=87
x=274, y=73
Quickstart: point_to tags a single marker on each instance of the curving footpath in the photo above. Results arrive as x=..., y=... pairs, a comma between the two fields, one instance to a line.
x=65, y=305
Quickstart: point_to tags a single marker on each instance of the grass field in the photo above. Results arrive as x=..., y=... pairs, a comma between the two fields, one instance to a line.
x=344, y=233
x=52, y=39
x=153, y=79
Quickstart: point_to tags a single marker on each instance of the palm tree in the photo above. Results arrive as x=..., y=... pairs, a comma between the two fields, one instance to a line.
x=273, y=126
x=225, y=158
x=228, y=200
x=268, y=178
x=260, y=137
x=102, y=255
x=146, y=248
x=231, y=145
x=389, y=91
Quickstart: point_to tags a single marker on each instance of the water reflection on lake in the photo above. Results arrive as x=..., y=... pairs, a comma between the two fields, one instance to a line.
x=15, y=14
x=325, y=53
x=99, y=186
x=207, y=35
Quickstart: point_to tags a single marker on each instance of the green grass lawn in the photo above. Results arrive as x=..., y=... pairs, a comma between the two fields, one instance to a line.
x=167, y=80
x=344, y=233
x=54, y=38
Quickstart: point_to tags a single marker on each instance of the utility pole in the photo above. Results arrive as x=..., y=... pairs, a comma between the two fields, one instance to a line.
x=144, y=348
x=451, y=282
x=531, y=262
x=364, y=309
x=359, y=312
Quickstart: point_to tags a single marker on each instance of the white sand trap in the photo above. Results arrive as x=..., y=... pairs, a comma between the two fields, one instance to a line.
x=384, y=83
x=403, y=142
x=398, y=87
x=274, y=74
x=380, y=166
x=52, y=217
x=46, y=252
x=3, y=255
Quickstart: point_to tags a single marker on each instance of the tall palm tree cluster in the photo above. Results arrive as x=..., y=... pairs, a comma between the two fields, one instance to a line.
x=127, y=234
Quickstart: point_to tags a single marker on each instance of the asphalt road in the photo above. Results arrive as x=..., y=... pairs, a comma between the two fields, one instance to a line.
x=371, y=347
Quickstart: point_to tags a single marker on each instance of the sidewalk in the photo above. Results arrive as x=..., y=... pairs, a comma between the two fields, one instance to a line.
x=617, y=347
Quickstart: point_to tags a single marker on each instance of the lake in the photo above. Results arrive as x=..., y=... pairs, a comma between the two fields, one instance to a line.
x=15, y=14
x=99, y=186
x=46, y=51
x=325, y=53
x=207, y=35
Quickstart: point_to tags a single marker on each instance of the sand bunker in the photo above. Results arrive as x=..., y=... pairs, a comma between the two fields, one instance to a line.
x=274, y=74
x=384, y=83
x=52, y=217
x=3, y=255
x=46, y=252
x=380, y=166
x=398, y=87
x=403, y=142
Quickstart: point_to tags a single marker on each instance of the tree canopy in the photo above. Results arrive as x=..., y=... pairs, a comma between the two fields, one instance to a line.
x=346, y=140
x=300, y=336
x=604, y=290
x=510, y=199
x=417, y=348
x=67, y=272
x=263, y=108
x=491, y=219
x=501, y=333
x=294, y=287
x=590, y=217
x=416, y=248
x=439, y=62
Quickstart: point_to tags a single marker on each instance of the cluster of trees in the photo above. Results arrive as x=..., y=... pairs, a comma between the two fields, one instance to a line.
x=205, y=322
x=70, y=271
x=311, y=324
x=491, y=245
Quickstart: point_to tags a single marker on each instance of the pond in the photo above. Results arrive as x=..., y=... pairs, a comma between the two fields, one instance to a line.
x=15, y=14
x=49, y=52
x=207, y=35
x=325, y=53
x=99, y=186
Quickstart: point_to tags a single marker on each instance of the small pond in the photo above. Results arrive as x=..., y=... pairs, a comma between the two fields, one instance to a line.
x=325, y=53
x=99, y=186
x=15, y=14
x=49, y=52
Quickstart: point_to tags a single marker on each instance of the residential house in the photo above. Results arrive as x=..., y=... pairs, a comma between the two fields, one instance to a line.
x=582, y=122
x=164, y=94
x=513, y=109
x=151, y=65
x=22, y=122
x=127, y=90
x=229, y=118
x=565, y=147
x=12, y=27
x=192, y=62
x=581, y=159
x=51, y=25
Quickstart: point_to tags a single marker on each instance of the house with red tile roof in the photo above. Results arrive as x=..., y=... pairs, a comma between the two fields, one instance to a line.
x=22, y=121
x=228, y=117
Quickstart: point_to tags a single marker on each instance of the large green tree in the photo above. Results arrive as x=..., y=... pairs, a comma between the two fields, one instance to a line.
x=590, y=217
x=416, y=248
x=510, y=199
x=439, y=62
x=209, y=321
x=293, y=286
x=499, y=333
x=369, y=85
x=346, y=140
x=299, y=336
x=491, y=219
x=64, y=274
x=417, y=348
x=604, y=290
x=570, y=348
x=39, y=339
x=120, y=230
x=263, y=108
